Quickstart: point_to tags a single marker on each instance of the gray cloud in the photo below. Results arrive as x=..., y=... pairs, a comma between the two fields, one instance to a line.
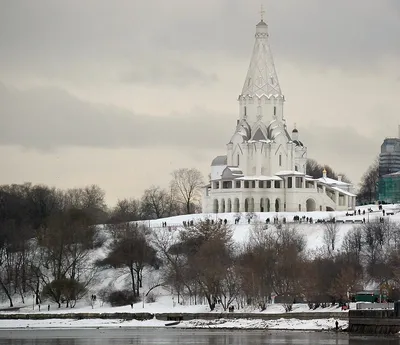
x=47, y=35
x=166, y=57
x=167, y=72
x=49, y=118
x=343, y=148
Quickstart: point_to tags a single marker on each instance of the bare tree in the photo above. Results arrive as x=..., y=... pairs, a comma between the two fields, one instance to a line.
x=90, y=198
x=315, y=170
x=155, y=203
x=330, y=236
x=369, y=183
x=186, y=184
x=272, y=262
x=131, y=249
x=126, y=210
x=352, y=244
x=289, y=247
x=66, y=245
x=166, y=243
x=207, y=247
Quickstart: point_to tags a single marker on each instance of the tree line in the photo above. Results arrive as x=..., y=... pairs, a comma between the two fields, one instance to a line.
x=315, y=170
x=48, y=237
x=47, y=234
x=368, y=186
x=203, y=261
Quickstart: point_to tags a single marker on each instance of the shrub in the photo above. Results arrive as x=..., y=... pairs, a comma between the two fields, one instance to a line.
x=288, y=307
x=151, y=298
x=119, y=298
x=64, y=290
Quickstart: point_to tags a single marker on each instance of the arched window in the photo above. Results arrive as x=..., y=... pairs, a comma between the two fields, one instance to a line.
x=238, y=160
x=280, y=160
x=274, y=110
x=245, y=111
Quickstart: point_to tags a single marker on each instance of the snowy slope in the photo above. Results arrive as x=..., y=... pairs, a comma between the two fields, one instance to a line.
x=313, y=232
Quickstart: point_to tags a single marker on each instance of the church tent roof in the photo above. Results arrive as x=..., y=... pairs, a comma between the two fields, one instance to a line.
x=262, y=78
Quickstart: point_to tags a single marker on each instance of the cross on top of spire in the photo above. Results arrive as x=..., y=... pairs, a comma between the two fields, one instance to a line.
x=262, y=12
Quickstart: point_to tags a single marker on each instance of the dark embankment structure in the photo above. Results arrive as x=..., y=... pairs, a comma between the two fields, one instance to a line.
x=374, y=321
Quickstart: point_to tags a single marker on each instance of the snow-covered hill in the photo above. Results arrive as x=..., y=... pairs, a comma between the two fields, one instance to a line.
x=313, y=232
x=119, y=278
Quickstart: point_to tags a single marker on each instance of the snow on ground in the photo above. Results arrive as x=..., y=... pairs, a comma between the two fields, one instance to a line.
x=85, y=323
x=312, y=232
x=280, y=324
x=167, y=303
x=164, y=304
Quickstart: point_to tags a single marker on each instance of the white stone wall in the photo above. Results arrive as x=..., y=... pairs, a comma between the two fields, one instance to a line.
x=216, y=171
x=251, y=108
x=292, y=197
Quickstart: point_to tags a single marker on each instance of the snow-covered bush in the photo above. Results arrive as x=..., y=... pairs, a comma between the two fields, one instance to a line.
x=151, y=298
x=119, y=298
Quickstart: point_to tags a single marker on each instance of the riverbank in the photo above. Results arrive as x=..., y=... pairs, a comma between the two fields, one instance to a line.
x=278, y=324
x=190, y=316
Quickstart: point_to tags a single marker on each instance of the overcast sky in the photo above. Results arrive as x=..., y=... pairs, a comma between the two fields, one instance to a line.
x=120, y=93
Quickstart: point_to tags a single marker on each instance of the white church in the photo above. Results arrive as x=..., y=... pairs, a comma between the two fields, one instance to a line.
x=264, y=169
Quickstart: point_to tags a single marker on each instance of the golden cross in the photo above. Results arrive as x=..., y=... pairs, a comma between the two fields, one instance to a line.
x=262, y=12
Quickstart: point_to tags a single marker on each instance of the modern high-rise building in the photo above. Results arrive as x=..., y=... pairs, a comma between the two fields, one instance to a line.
x=389, y=170
x=389, y=158
x=389, y=188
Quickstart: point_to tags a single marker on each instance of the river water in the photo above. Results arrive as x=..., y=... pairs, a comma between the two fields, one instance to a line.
x=138, y=336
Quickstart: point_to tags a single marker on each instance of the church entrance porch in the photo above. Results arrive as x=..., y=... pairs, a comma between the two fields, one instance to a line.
x=265, y=205
x=311, y=205
x=249, y=205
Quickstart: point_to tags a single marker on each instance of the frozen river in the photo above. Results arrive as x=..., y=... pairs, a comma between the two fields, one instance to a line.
x=185, y=337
